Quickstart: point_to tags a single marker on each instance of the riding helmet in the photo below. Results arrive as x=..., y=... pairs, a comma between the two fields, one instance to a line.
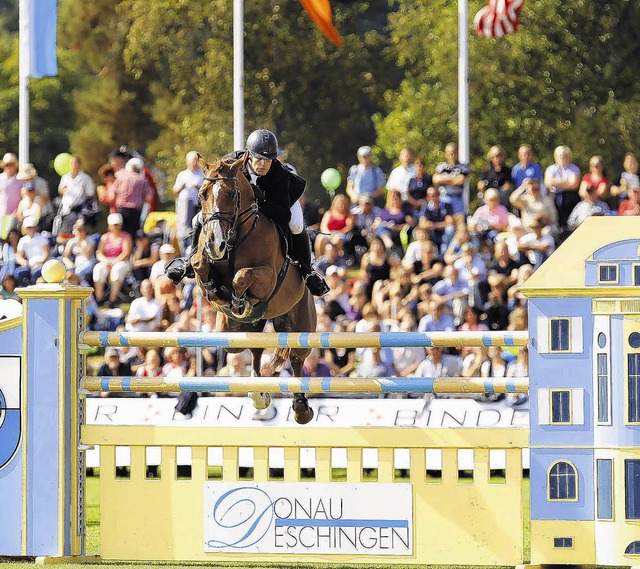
x=263, y=143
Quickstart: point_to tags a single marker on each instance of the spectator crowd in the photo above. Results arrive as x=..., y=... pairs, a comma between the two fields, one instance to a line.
x=401, y=252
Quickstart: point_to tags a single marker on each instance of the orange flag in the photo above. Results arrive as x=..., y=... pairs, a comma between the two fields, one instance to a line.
x=320, y=12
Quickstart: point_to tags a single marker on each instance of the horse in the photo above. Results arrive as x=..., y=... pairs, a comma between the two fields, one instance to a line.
x=243, y=270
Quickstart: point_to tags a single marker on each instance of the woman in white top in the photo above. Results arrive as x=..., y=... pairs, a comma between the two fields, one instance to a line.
x=30, y=205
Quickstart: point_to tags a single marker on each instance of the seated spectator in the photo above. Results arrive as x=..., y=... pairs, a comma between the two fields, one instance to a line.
x=337, y=299
x=113, y=254
x=330, y=258
x=452, y=291
x=518, y=319
x=596, y=178
x=160, y=282
x=152, y=366
x=437, y=320
x=514, y=296
x=518, y=368
x=177, y=363
x=8, y=291
x=365, y=212
x=112, y=366
x=471, y=367
x=537, y=245
x=171, y=310
x=31, y=253
x=30, y=205
x=145, y=255
x=438, y=364
x=79, y=252
x=418, y=186
x=472, y=271
x=376, y=264
x=185, y=323
x=29, y=175
x=436, y=217
x=589, y=206
x=407, y=360
x=422, y=257
x=375, y=362
x=145, y=312
x=531, y=202
x=628, y=178
x=315, y=366
x=503, y=263
x=489, y=219
x=236, y=366
x=472, y=320
x=341, y=361
x=357, y=301
x=392, y=219
x=630, y=206
x=496, y=176
x=76, y=188
x=494, y=365
x=496, y=309
x=460, y=238
x=336, y=225
x=9, y=251
x=397, y=293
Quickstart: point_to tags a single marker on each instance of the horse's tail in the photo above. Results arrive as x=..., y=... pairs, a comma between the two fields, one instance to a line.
x=277, y=361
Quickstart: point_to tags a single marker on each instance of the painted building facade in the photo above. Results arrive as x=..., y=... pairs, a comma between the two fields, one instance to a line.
x=584, y=315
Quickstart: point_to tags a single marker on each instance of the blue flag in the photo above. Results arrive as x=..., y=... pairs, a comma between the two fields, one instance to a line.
x=42, y=33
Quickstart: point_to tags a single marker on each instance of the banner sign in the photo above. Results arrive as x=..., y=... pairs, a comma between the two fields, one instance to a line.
x=338, y=518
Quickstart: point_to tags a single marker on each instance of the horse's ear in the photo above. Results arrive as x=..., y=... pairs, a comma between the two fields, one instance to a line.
x=202, y=163
x=237, y=165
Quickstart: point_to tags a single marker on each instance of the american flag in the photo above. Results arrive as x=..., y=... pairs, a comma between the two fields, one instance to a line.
x=498, y=18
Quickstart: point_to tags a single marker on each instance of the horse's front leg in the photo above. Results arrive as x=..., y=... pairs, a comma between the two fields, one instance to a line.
x=260, y=400
x=257, y=281
x=302, y=411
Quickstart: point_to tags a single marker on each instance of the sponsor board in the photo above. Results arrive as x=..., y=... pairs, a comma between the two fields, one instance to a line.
x=337, y=518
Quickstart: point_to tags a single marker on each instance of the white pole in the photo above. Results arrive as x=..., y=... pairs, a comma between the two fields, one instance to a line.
x=463, y=89
x=24, y=9
x=238, y=72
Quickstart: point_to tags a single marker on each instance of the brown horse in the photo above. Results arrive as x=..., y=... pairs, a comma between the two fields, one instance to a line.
x=242, y=271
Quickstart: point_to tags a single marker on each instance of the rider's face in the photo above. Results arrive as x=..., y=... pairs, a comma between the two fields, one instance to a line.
x=259, y=165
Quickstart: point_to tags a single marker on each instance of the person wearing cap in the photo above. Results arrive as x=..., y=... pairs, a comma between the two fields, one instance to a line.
x=79, y=252
x=364, y=177
x=30, y=205
x=167, y=254
x=278, y=192
x=76, y=188
x=28, y=173
x=131, y=190
x=113, y=367
x=145, y=312
x=185, y=192
x=114, y=260
x=10, y=186
x=33, y=250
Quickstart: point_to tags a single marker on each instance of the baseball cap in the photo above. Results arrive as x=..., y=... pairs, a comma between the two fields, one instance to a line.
x=331, y=270
x=26, y=172
x=9, y=158
x=115, y=219
x=111, y=352
x=30, y=186
x=167, y=248
x=29, y=221
x=367, y=198
x=364, y=151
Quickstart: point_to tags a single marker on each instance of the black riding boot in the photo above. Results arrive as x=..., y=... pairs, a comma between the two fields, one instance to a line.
x=180, y=267
x=302, y=253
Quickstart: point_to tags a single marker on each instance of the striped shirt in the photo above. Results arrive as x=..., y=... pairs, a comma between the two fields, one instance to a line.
x=131, y=190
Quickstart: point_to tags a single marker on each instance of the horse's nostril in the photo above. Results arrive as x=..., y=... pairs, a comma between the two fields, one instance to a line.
x=223, y=244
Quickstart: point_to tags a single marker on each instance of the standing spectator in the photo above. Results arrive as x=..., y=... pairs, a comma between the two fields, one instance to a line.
x=596, y=178
x=79, y=252
x=28, y=174
x=452, y=176
x=185, y=191
x=589, y=206
x=145, y=312
x=336, y=225
x=10, y=186
x=532, y=203
x=104, y=191
x=497, y=175
x=418, y=186
x=527, y=167
x=364, y=177
x=537, y=245
x=436, y=217
x=628, y=178
x=76, y=188
x=131, y=191
x=33, y=251
x=562, y=179
x=114, y=260
x=401, y=175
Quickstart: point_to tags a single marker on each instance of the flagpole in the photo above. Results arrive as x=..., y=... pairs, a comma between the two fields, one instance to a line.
x=463, y=89
x=24, y=42
x=238, y=74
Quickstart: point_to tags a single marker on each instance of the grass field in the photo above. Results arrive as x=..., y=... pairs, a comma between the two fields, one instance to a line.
x=93, y=544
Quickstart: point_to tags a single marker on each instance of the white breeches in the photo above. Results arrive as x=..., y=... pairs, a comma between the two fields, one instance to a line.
x=296, y=225
x=117, y=272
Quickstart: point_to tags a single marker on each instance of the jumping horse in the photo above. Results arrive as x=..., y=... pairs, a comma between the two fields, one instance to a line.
x=243, y=270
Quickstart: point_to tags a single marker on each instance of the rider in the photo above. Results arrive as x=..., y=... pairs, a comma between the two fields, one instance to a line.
x=279, y=190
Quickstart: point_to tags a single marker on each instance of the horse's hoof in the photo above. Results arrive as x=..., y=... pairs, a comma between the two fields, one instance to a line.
x=302, y=412
x=260, y=400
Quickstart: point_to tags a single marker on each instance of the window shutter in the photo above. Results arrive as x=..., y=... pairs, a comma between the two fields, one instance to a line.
x=543, y=407
x=577, y=406
x=576, y=335
x=542, y=335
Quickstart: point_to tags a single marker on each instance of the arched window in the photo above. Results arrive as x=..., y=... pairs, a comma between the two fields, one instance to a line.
x=563, y=482
x=633, y=548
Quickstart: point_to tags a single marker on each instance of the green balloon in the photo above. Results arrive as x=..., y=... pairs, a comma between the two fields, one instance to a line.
x=62, y=163
x=331, y=179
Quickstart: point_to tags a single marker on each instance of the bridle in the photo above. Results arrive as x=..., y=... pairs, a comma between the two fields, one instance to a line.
x=233, y=220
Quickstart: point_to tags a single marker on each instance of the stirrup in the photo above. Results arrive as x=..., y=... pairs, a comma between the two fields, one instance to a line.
x=316, y=284
x=177, y=269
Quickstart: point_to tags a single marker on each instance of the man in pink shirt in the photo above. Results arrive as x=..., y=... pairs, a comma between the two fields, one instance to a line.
x=131, y=191
x=10, y=186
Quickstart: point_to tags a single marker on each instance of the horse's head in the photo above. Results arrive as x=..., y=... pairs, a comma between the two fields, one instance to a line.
x=220, y=197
